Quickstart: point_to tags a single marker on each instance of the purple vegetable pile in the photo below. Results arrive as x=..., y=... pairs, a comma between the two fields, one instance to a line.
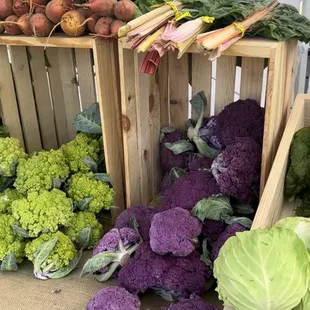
x=210, y=191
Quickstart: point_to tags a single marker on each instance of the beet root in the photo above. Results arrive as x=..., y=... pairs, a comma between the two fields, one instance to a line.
x=6, y=9
x=12, y=28
x=115, y=26
x=103, y=26
x=125, y=10
x=73, y=23
x=100, y=7
x=55, y=9
x=40, y=25
x=20, y=8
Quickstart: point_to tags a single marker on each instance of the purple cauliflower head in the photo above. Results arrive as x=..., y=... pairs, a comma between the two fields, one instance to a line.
x=174, y=231
x=243, y=118
x=208, y=133
x=168, y=160
x=230, y=231
x=112, y=298
x=186, y=191
x=198, y=162
x=167, y=274
x=110, y=241
x=143, y=217
x=212, y=229
x=193, y=303
x=237, y=170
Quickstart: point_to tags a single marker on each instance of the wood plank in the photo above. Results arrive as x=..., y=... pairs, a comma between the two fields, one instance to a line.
x=225, y=82
x=252, y=78
x=86, y=77
x=178, y=84
x=42, y=98
x=57, y=40
x=69, y=87
x=272, y=200
x=8, y=97
x=201, y=79
x=25, y=97
x=106, y=62
x=162, y=78
x=130, y=134
x=57, y=96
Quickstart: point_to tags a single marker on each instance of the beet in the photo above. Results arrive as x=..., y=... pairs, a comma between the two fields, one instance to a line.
x=6, y=9
x=40, y=25
x=24, y=24
x=102, y=27
x=10, y=28
x=125, y=10
x=56, y=9
x=100, y=7
x=85, y=11
x=39, y=9
x=115, y=26
x=73, y=23
x=91, y=23
x=20, y=8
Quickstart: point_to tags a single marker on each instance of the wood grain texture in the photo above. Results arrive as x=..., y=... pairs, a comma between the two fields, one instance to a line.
x=42, y=98
x=24, y=92
x=8, y=100
x=225, y=82
x=57, y=96
x=178, y=84
x=85, y=71
x=106, y=62
x=162, y=76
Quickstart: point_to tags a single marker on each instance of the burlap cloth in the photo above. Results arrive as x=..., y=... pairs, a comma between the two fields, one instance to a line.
x=21, y=291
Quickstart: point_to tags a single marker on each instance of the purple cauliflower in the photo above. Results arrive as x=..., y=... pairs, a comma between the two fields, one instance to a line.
x=186, y=191
x=170, y=276
x=212, y=229
x=143, y=217
x=194, y=303
x=243, y=118
x=174, y=231
x=230, y=231
x=208, y=133
x=168, y=160
x=237, y=170
x=113, y=298
x=110, y=241
x=197, y=162
x=165, y=183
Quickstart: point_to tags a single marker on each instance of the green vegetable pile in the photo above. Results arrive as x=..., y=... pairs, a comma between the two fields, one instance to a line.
x=51, y=200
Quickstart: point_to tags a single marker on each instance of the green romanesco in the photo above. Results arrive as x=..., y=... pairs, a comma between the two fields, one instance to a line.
x=43, y=212
x=10, y=242
x=81, y=220
x=62, y=254
x=7, y=198
x=83, y=146
x=82, y=186
x=41, y=172
x=10, y=154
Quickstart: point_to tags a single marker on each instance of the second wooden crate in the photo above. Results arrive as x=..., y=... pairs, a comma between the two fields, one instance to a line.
x=152, y=102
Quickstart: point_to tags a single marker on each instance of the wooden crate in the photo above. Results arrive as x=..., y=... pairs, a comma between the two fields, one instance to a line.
x=41, y=91
x=151, y=102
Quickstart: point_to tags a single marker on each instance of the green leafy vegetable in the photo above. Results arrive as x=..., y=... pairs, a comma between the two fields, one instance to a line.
x=9, y=263
x=174, y=174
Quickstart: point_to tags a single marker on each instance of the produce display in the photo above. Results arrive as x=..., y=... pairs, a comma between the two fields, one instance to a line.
x=51, y=200
x=214, y=25
x=41, y=18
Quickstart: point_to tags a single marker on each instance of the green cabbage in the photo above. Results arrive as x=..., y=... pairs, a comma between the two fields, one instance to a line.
x=300, y=225
x=262, y=270
x=305, y=303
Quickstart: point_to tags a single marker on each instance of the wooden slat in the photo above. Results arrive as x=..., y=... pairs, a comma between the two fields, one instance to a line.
x=8, y=97
x=201, y=79
x=252, y=78
x=25, y=97
x=178, y=84
x=69, y=87
x=130, y=134
x=57, y=96
x=162, y=78
x=86, y=77
x=106, y=62
x=225, y=82
x=42, y=98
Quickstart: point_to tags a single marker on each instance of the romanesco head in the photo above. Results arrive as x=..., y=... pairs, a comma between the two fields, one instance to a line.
x=83, y=186
x=81, y=220
x=62, y=254
x=10, y=242
x=7, y=198
x=43, y=212
x=39, y=172
x=83, y=146
x=10, y=154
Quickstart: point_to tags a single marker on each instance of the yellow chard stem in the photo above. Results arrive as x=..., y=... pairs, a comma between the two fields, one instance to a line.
x=146, y=44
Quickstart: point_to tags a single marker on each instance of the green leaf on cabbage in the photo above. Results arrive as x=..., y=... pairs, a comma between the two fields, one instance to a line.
x=262, y=269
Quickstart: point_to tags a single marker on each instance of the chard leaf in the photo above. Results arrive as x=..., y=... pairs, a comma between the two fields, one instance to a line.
x=213, y=208
x=42, y=253
x=21, y=232
x=174, y=174
x=57, y=183
x=9, y=263
x=104, y=177
x=180, y=147
x=205, y=256
x=83, y=204
x=84, y=237
x=66, y=270
x=91, y=164
x=107, y=275
x=244, y=221
x=89, y=121
x=99, y=261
